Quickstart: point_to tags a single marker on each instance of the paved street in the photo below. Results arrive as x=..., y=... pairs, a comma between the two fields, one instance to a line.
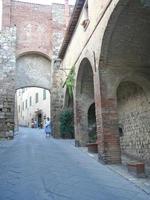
x=33, y=167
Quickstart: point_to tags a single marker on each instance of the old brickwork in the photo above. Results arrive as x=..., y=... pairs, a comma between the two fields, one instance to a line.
x=34, y=27
x=7, y=80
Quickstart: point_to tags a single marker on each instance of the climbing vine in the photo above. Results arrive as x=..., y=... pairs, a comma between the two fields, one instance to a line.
x=70, y=81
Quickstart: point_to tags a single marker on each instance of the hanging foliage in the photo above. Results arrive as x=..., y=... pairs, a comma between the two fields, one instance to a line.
x=70, y=81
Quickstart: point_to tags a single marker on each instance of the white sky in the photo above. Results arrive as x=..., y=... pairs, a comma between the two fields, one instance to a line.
x=47, y=2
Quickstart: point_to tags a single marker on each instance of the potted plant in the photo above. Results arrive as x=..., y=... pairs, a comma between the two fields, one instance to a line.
x=67, y=124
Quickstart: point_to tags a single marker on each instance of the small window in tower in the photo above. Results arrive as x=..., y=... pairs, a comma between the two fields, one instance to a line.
x=44, y=94
x=36, y=98
x=120, y=131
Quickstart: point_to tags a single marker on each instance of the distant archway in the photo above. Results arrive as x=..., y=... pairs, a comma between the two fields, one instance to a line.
x=84, y=98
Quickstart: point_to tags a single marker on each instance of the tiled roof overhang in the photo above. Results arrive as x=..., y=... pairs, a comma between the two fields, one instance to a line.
x=71, y=27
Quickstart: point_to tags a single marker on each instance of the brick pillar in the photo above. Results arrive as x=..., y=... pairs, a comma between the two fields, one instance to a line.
x=81, y=123
x=107, y=123
x=6, y=13
x=57, y=96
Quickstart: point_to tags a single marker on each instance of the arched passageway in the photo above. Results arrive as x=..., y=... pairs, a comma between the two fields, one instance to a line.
x=125, y=55
x=84, y=98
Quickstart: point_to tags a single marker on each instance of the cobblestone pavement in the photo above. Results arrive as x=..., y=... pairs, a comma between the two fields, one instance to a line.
x=33, y=167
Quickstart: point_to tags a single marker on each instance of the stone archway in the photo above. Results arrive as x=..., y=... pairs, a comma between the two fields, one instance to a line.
x=84, y=98
x=33, y=69
x=125, y=50
x=134, y=119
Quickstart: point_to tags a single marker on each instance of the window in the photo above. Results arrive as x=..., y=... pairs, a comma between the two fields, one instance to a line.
x=30, y=101
x=26, y=103
x=36, y=98
x=23, y=90
x=44, y=94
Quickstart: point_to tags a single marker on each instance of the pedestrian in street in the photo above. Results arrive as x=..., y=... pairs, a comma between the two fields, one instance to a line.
x=48, y=127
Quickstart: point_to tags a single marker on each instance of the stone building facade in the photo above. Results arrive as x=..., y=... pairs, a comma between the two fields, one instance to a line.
x=111, y=61
x=30, y=38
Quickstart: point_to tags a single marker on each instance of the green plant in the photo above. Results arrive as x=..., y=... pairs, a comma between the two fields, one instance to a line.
x=67, y=124
x=70, y=81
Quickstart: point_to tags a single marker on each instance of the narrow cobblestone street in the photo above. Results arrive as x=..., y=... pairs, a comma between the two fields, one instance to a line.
x=37, y=168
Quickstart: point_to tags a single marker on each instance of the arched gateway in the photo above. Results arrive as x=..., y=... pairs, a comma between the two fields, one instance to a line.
x=84, y=99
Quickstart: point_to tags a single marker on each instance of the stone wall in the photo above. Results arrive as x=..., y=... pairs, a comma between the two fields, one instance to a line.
x=134, y=119
x=7, y=80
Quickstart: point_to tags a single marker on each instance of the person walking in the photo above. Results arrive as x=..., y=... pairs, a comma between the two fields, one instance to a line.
x=48, y=127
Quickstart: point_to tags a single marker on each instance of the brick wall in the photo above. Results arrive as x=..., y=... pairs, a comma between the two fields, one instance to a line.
x=34, y=27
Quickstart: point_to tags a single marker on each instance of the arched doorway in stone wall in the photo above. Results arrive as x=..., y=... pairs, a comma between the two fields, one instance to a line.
x=125, y=53
x=92, y=133
x=33, y=70
x=83, y=100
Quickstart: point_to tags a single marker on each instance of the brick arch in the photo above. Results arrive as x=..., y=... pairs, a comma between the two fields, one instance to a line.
x=127, y=27
x=84, y=97
x=33, y=69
